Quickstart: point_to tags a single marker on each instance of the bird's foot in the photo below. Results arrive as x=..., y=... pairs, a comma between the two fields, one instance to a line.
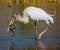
x=38, y=38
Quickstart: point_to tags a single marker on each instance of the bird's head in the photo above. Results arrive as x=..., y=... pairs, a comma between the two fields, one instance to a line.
x=15, y=16
x=19, y=18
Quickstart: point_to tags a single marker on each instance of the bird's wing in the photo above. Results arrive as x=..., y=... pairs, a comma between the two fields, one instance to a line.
x=36, y=9
x=36, y=14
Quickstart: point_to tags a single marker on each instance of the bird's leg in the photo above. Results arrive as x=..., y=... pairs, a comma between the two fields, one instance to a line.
x=39, y=36
x=36, y=28
x=36, y=34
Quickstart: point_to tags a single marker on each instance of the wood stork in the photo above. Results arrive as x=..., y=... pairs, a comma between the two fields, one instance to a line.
x=35, y=14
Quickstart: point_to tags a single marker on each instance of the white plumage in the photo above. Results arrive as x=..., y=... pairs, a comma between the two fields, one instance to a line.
x=35, y=14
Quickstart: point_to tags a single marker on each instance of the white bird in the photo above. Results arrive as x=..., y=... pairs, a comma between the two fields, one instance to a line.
x=35, y=14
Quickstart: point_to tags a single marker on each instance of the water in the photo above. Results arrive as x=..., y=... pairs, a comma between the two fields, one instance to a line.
x=26, y=41
x=18, y=41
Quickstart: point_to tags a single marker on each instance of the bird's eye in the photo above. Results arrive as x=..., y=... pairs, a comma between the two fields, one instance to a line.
x=16, y=13
x=14, y=17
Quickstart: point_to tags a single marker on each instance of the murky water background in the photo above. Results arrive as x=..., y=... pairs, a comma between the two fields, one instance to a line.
x=51, y=39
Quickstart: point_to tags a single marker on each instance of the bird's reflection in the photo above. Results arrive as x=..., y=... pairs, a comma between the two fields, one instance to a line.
x=40, y=45
x=12, y=46
x=40, y=42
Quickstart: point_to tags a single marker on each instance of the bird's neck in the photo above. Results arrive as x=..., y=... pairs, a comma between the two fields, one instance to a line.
x=22, y=19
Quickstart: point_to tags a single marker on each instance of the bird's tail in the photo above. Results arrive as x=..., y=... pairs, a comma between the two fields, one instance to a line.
x=51, y=19
x=51, y=15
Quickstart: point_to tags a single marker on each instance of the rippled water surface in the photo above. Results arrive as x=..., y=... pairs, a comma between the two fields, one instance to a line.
x=26, y=41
